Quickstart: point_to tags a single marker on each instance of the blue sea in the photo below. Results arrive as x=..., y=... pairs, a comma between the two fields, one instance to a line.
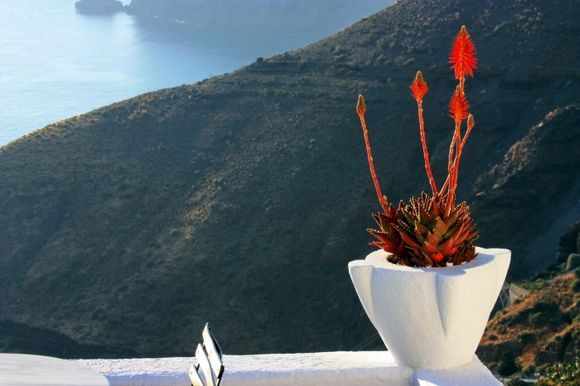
x=56, y=63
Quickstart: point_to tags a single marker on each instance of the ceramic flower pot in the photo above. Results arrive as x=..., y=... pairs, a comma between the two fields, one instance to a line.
x=430, y=318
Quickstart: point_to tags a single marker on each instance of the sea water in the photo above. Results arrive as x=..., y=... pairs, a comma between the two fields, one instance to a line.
x=56, y=63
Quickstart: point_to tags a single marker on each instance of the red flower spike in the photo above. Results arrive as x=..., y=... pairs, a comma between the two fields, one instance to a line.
x=462, y=57
x=419, y=87
x=458, y=106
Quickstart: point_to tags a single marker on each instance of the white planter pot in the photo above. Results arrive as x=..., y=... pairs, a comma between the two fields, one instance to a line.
x=431, y=318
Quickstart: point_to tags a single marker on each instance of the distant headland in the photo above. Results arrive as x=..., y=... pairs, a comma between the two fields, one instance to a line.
x=98, y=6
x=280, y=15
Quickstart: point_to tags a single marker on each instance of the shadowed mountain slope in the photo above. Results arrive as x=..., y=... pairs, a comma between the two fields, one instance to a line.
x=534, y=190
x=239, y=200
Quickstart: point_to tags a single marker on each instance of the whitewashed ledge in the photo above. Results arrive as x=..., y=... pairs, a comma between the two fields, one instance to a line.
x=362, y=368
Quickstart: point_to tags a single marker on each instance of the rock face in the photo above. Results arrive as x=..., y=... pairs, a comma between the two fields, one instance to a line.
x=569, y=242
x=544, y=328
x=240, y=200
x=99, y=6
x=539, y=172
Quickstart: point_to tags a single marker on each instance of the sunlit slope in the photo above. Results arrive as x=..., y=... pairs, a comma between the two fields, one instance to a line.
x=239, y=200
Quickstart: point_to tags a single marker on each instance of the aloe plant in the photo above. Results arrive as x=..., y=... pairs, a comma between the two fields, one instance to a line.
x=432, y=229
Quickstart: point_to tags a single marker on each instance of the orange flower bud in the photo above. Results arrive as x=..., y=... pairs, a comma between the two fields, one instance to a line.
x=470, y=122
x=419, y=87
x=458, y=106
x=361, y=108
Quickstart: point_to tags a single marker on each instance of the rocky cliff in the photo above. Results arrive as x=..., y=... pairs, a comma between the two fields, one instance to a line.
x=239, y=200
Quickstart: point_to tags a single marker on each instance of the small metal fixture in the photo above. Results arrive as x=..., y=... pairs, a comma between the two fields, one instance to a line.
x=209, y=369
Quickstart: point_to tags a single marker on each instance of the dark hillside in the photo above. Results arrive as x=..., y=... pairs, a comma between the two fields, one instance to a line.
x=537, y=178
x=239, y=200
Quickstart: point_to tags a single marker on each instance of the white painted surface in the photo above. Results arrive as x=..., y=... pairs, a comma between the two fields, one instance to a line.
x=22, y=369
x=142, y=371
x=362, y=368
x=430, y=318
